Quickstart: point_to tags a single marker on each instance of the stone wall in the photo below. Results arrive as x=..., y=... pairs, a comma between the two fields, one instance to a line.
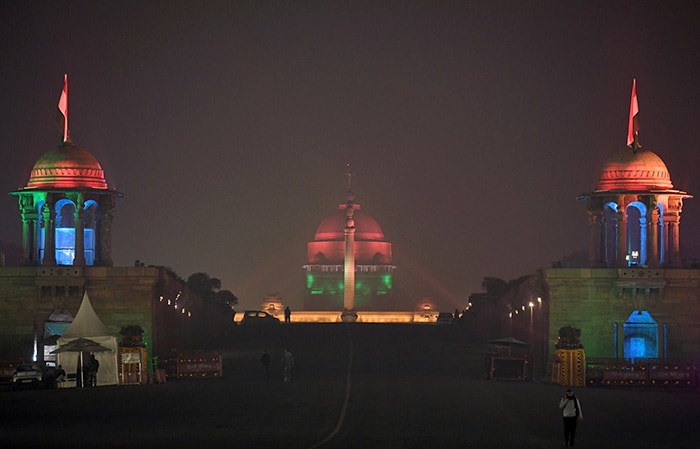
x=121, y=296
x=593, y=299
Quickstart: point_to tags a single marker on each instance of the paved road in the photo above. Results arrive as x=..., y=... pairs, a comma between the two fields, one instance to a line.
x=409, y=386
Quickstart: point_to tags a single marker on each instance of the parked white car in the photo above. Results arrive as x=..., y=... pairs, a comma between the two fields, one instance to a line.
x=28, y=374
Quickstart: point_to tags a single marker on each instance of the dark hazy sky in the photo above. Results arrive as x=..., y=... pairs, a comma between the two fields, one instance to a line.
x=471, y=127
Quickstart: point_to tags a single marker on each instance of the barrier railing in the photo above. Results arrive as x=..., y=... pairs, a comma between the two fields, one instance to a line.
x=642, y=372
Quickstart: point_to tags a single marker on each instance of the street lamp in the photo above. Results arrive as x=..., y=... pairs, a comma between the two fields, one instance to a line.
x=510, y=324
x=532, y=307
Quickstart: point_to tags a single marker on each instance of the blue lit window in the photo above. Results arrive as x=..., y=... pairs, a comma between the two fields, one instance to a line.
x=65, y=232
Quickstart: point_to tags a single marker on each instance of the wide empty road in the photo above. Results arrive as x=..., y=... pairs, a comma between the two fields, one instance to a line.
x=353, y=386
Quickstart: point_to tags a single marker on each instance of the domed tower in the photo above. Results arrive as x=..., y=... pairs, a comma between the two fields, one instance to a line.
x=326, y=255
x=635, y=212
x=66, y=208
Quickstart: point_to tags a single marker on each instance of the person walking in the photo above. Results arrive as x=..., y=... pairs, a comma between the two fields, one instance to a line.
x=571, y=412
x=287, y=364
x=287, y=315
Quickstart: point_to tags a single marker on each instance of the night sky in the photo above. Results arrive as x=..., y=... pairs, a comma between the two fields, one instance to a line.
x=471, y=127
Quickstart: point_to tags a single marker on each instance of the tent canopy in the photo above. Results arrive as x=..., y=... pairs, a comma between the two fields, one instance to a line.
x=88, y=325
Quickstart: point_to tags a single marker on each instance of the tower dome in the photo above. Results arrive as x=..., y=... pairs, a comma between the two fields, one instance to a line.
x=333, y=226
x=67, y=167
x=628, y=170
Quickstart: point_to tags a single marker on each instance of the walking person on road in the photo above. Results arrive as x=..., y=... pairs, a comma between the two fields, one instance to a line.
x=571, y=412
x=287, y=364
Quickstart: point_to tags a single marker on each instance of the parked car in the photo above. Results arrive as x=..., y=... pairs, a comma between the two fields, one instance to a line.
x=258, y=317
x=28, y=374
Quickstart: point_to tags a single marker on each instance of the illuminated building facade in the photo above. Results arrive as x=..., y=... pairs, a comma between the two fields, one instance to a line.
x=371, y=257
x=637, y=298
x=66, y=212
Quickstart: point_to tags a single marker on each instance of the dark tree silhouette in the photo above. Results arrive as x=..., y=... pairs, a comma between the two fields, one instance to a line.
x=209, y=289
x=227, y=298
x=495, y=287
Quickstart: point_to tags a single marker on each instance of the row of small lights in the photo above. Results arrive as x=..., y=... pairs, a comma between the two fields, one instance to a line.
x=173, y=302
x=530, y=304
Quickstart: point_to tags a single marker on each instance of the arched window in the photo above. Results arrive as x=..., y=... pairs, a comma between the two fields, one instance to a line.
x=636, y=234
x=65, y=232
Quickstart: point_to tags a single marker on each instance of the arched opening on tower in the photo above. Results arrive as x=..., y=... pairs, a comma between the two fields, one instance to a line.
x=636, y=234
x=65, y=232
x=641, y=336
x=610, y=233
x=89, y=222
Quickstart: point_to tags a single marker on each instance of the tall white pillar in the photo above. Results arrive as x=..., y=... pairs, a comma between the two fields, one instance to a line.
x=349, y=313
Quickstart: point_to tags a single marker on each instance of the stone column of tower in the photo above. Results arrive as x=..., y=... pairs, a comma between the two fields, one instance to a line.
x=349, y=314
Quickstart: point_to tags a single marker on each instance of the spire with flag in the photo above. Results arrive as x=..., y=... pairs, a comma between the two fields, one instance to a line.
x=633, y=127
x=63, y=108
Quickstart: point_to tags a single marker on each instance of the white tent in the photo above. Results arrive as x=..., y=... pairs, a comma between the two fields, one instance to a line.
x=87, y=324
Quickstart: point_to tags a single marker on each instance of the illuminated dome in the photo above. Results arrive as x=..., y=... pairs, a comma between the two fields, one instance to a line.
x=333, y=227
x=627, y=170
x=67, y=167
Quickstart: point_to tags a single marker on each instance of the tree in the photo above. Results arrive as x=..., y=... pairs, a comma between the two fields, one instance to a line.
x=495, y=287
x=203, y=285
x=227, y=298
x=209, y=289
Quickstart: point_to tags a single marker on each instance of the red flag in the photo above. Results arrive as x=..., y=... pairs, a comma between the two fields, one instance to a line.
x=633, y=127
x=63, y=107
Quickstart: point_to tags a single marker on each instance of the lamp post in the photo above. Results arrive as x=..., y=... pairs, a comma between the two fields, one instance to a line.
x=510, y=324
x=532, y=307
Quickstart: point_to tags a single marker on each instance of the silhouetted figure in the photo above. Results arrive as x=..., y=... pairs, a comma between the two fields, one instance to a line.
x=265, y=360
x=92, y=367
x=287, y=364
x=59, y=376
x=571, y=412
x=287, y=315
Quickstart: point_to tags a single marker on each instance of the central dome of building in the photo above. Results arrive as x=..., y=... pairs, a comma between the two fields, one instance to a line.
x=333, y=226
x=67, y=167
x=629, y=170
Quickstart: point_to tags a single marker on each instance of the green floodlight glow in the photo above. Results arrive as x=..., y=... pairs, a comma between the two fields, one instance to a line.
x=386, y=279
x=309, y=281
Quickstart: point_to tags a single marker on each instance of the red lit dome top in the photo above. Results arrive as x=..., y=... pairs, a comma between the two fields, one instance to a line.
x=628, y=170
x=333, y=227
x=67, y=167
